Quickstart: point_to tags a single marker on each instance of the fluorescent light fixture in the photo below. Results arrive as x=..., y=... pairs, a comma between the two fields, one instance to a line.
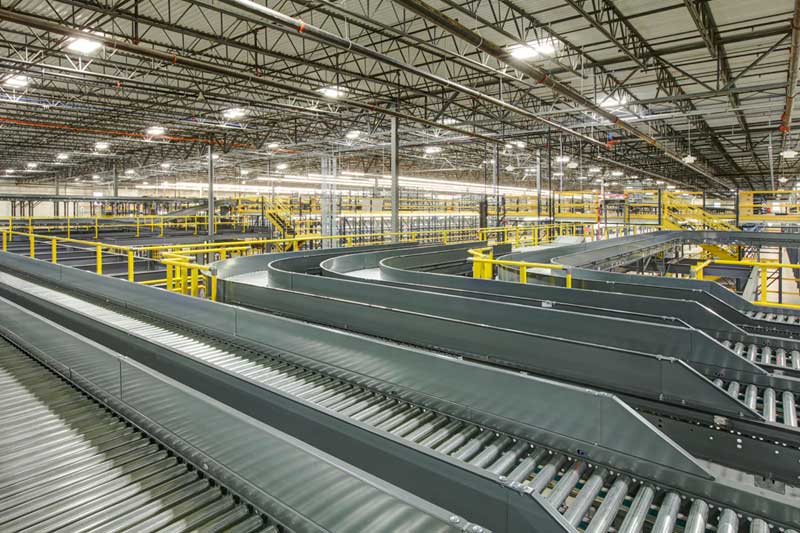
x=32, y=165
x=234, y=113
x=95, y=177
x=432, y=150
x=18, y=81
x=659, y=182
x=689, y=159
x=510, y=168
x=572, y=164
x=671, y=187
x=144, y=183
x=333, y=92
x=273, y=146
x=9, y=171
x=558, y=174
x=97, y=194
x=783, y=180
x=165, y=166
x=634, y=177
x=282, y=166
x=155, y=130
x=244, y=172
x=532, y=49
x=594, y=170
x=83, y=46
x=789, y=154
x=62, y=157
x=562, y=159
x=582, y=178
x=352, y=135
x=130, y=172
x=614, y=183
x=101, y=146
x=519, y=144
x=613, y=101
x=617, y=173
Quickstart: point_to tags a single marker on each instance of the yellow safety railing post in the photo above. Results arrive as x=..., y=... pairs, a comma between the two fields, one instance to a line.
x=32, y=243
x=213, y=288
x=568, y=282
x=194, y=279
x=131, y=262
x=54, y=251
x=96, y=228
x=763, y=283
x=137, y=227
x=99, y=258
x=69, y=227
x=169, y=277
x=161, y=227
x=5, y=241
x=523, y=274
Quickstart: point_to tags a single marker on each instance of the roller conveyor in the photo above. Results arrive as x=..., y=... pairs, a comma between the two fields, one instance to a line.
x=766, y=355
x=590, y=497
x=68, y=463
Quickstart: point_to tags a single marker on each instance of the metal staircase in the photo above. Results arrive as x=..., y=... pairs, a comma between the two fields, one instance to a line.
x=680, y=214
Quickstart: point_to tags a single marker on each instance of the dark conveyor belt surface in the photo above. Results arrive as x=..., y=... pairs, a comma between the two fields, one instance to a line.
x=67, y=463
x=590, y=497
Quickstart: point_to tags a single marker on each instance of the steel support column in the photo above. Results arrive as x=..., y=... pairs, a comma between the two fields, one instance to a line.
x=395, y=169
x=211, y=227
x=328, y=199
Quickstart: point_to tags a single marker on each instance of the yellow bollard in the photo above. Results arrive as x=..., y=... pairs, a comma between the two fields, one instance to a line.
x=53, y=251
x=523, y=274
x=32, y=241
x=99, y=259
x=131, y=261
x=213, y=283
x=569, y=279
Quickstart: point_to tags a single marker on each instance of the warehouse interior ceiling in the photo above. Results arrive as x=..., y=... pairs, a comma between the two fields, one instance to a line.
x=696, y=93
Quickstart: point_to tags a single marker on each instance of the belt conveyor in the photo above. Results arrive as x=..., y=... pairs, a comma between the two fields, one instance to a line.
x=590, y=497
x=67, y=463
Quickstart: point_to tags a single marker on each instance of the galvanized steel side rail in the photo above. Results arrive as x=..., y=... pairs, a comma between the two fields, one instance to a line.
x=248, y=456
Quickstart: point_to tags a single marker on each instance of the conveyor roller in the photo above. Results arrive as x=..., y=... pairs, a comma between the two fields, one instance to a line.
x=68, y=463
x=589, y=496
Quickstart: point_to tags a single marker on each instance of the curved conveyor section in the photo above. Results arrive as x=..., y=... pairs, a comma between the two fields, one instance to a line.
x=609, y=349
x=522, y=440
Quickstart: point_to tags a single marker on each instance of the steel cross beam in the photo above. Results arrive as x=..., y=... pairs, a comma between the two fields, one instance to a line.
x=606, y=18
x=707, y=26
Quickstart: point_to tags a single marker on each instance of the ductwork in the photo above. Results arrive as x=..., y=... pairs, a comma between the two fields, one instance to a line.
x=541, y=76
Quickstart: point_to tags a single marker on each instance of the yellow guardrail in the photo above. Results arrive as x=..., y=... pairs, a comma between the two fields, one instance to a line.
x=185, y=264
x=135, y=223
x=763, y=266
x=483, y=266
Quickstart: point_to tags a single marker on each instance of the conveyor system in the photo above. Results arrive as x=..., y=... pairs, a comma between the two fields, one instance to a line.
x=589, y=262
x=611, y=353
x=67, y=462
x=518, y=441
x=147, y=460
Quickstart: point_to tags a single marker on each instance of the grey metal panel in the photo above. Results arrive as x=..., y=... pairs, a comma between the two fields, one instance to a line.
x=525, y=408
x=300, y=486
x=588, y=363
